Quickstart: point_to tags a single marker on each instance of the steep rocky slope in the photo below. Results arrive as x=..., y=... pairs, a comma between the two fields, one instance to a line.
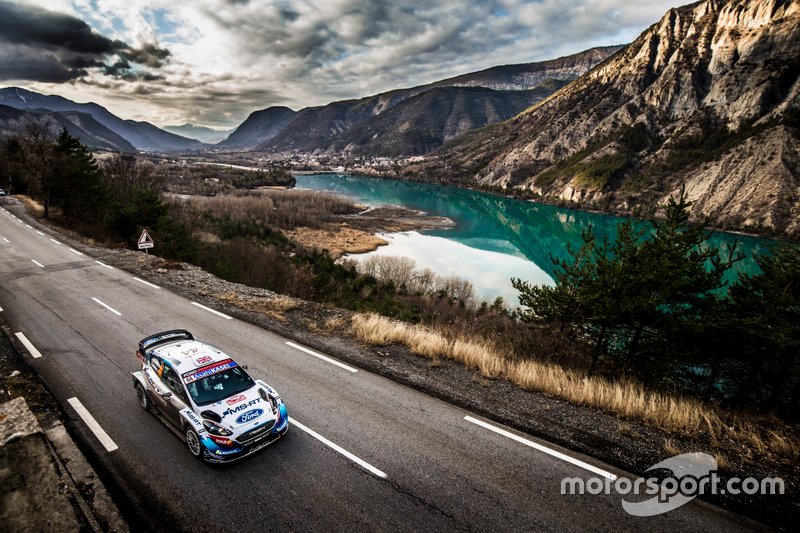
x=424, y=122
x=336, y=125
x=258, y=128
x=707, y=97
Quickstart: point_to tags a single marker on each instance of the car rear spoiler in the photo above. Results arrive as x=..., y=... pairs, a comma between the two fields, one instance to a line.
x=162, y=338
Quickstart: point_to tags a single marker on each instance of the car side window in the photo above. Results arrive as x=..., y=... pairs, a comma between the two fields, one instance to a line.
x=157, y=364
x=173, y=382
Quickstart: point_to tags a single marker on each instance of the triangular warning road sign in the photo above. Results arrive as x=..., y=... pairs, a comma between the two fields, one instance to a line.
x=145, y=241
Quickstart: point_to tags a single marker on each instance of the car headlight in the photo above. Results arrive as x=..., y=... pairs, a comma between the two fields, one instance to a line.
x=216, y=429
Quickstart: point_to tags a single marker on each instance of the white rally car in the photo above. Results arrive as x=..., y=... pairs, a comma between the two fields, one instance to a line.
x=218, y=409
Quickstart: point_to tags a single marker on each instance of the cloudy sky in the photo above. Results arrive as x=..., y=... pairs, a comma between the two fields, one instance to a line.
x=213, y=62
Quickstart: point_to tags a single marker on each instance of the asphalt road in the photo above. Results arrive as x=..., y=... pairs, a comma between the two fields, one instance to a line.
x=424, y=465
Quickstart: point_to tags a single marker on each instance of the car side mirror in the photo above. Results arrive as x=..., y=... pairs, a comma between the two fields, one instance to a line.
x=166, y=395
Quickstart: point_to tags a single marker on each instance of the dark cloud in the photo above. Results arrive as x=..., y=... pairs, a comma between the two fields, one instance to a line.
x=30, y=25
x=41, y=45
x=149, y=55
x=18, y=63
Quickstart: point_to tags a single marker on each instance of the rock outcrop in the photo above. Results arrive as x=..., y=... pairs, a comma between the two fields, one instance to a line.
x=707, y=97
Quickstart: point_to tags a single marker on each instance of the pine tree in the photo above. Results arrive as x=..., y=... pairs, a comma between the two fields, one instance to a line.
x=765, y=328
x=78, y=185
x=636, y=298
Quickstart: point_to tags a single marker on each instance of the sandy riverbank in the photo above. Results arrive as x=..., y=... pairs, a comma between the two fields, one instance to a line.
x=356, y=234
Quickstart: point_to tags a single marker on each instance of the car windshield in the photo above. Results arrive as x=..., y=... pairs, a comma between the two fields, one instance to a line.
x=219, y=386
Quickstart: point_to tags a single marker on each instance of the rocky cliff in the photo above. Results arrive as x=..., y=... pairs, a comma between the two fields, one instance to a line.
x=707, y=97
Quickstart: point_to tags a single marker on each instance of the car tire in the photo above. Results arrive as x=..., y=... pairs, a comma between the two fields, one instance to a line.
x=194, y=443
x=141, y=395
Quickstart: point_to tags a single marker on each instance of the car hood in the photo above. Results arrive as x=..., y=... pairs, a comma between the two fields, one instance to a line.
x=242, y=409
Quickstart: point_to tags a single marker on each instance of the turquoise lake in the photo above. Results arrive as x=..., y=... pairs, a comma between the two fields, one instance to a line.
x=495, y=238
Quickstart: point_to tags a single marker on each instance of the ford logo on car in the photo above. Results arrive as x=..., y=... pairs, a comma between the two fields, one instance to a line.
x=249, y=415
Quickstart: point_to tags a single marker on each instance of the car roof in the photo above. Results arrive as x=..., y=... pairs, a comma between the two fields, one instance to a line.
x=188, y=355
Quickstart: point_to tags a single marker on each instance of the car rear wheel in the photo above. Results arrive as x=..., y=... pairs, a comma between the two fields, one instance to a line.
x=141, y=395
x=193, y=442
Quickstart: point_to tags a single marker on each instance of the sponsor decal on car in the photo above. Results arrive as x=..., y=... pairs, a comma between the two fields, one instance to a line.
x=209, y=370
x=236, y=399
x=192, y=418
x=155, y=340
x=231, y=410
x=249, y=415
x=203, y=360
x=227, y=452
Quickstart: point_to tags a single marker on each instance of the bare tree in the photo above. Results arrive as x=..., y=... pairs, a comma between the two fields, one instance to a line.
x=35, y=154
x=125, y=174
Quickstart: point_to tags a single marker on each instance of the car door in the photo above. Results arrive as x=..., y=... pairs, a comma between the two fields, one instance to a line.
x=178, y=400
x=167, y=390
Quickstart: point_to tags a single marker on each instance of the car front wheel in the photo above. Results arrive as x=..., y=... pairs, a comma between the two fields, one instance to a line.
x=141, y=395
x=194, y=444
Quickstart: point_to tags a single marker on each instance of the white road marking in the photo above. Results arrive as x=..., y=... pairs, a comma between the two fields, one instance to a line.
x=541, y=448
x=1, y=309
x=320, y=356
x=40, y=233
x=6, y=239
x=107, y=306
x=339, y=449
x=105, y=265
x=37, y=263
x=28, y=226
x=36, y=354
x=150, y=284
x=223, y=315
x=55, y=241
x=87, y=417
x=74, y=251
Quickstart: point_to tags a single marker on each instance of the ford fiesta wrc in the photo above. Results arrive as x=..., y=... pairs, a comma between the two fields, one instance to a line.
x=208, y=398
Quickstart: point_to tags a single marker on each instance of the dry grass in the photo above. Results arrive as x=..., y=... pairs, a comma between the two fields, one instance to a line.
x=274, y=306
x=32, y=206
x=335, y=323
x=282, y=209
x=478, y=355
x=626, y=430
x=337, y=239
x=671, y=447
x=682, y=416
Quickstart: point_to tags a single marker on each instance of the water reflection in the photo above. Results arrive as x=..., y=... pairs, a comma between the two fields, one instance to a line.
x=492, y=230
x=490, y=272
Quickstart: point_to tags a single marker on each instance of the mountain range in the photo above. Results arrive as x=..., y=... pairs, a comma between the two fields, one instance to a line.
x=708, y=98
x=396, y=123
x=201, y=133
x=80, y=125
x=429, y=114
x=141, y=135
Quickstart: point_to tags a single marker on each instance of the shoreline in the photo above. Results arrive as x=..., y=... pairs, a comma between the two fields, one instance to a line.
x=358, y=233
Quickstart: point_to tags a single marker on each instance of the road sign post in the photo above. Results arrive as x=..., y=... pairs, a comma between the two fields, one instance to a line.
x=146, y=241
